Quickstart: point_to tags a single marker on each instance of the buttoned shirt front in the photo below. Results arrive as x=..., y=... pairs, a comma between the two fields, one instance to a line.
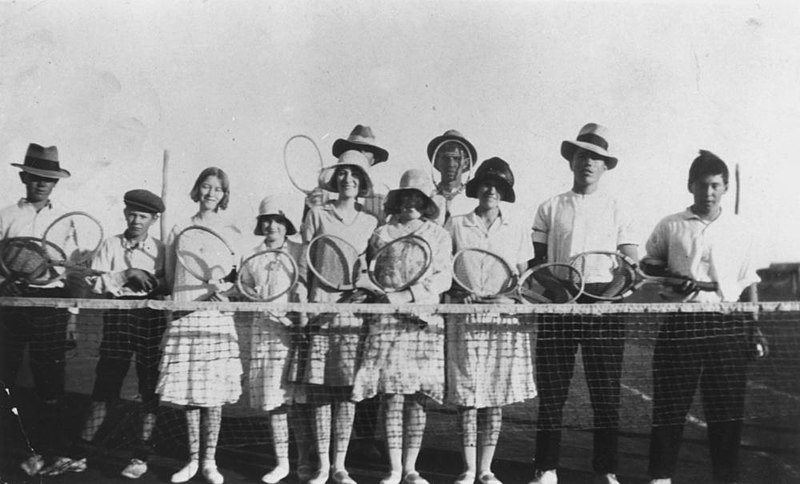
x=503, y=237
x=719, y=250
x=571, y=223
x=117, y=254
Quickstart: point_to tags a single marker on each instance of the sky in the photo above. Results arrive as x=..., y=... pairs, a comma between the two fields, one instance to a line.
x=226, y=83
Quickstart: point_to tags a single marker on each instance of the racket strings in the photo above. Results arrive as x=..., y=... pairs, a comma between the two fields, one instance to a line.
x=73, y=239
x=23, y=258
x=268, y=275
x=608, y=276
x=302, y=162
x=334, y=262
x=551, y=284
x=204, y=254
x=399, y=264
x=482, y=273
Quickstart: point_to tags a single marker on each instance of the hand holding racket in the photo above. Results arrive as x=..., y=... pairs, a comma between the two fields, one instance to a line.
x=267, y=275
x=398, y=265
x=612, y=276
x=484, y=276
x=550, y=283
x=207, y=256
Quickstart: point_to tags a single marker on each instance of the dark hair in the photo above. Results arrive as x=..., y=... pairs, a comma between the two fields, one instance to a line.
x=363, y=185
x=223, y=178
x=707, y=164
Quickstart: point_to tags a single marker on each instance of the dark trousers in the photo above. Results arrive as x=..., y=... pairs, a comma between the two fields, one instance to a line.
x=711, y=350
x=43, y=331
x=602, y=342
x=127, y=333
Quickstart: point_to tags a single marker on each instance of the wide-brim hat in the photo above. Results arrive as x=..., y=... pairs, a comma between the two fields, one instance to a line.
x=592, y=137
x=498, y=171
x=360, y=139
x=413, y=181
x=452, y=135
x=274, y=206
x=43, y=162
x=353, y=159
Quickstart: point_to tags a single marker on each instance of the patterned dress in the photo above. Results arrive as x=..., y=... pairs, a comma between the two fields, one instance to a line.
x=334, y=341
x=200, y=364
x=489, y=358
x=400, y=355
x=270, y=345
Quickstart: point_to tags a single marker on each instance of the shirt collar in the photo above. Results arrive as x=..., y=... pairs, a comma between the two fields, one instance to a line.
x=23, y=202
x=472, y=219
x=128, y=244
x=688, y=214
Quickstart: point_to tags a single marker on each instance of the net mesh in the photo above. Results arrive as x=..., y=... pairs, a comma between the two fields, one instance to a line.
x=560, y=348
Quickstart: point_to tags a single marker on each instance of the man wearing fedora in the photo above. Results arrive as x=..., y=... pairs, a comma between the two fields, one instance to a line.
x=582, y=219
x=42, y=330
x=453, y=156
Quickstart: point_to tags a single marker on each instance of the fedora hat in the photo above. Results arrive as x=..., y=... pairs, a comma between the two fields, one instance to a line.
x=451, y=135
x=274, y=206
x=413, y=181
x=592, y=137
x=360, y=139
x=352, y=159
x=498, y=171
x=42, y=161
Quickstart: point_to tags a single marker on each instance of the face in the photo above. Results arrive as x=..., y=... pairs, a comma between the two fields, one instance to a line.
x=489, y=195
x=708, y=192
x=450, y=162
x=348, y=181
x=37, y=188
x=211, y=193
x=587, y=168
x=273, y=229
x=138, y=222
x=411, y=207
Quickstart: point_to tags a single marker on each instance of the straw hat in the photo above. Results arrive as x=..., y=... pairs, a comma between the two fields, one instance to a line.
x=274, y=206
x=351, y=159
x=413, y=181
x=594, y=138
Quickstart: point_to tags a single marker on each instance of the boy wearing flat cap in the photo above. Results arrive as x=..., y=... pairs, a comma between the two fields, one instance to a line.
x=42, y=330
x=586, y=218
x=133, y=267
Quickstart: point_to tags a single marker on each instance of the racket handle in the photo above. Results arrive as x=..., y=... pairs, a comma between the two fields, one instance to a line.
x=707, y=286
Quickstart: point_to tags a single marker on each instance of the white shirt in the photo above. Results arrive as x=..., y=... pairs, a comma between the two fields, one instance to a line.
x=503, y=237
x=571, y=223
x=454, y=204
x=719, y=250
x=117, y=254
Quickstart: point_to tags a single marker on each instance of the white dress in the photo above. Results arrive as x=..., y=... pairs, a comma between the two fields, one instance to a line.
x=200, y=365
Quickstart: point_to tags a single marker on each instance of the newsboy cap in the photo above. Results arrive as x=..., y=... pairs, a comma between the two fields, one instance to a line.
x=144, y=201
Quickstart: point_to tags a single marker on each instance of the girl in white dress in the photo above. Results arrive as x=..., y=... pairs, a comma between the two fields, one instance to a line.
x=489, y=359
x=200, y=368
x=271, y=345
x=404, y=359
x=334, y=341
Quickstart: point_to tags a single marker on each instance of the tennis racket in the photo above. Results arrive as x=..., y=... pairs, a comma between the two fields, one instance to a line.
x=205, y=254
x=24, y=259
x=399, y=264
x=334, y=262
x=78, y=236
x=550, y=283
x=466, y=160
x=302, y=161
x=612, y=276
x=483, y=273
x=267, y=275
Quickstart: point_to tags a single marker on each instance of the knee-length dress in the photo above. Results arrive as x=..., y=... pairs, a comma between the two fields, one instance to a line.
x=271, y=346
x=489, y=356
x=334, y=342
x=200, y=365
x=401, y=357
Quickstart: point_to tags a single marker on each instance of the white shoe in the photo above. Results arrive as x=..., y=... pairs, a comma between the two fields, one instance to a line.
x=466, y=478
x=545, y=477
x=62, y=465
x=211, y=474
x=606, y=479
x=135, y=469
x=392, y=478
x=320, y=477
x=275, y=476
x=188, y=471
x=488, y=478
x=665, y=480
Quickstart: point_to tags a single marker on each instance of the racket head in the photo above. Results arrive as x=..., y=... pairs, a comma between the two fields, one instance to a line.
x=23, y=258
x=608, y=276
x=467, y=161
x=267, y=275
x=401, y=263
x=550, y=283
x=334, y=262
x=302, y=161
x=77, y=235
x=483, y=273
x=204, y=253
